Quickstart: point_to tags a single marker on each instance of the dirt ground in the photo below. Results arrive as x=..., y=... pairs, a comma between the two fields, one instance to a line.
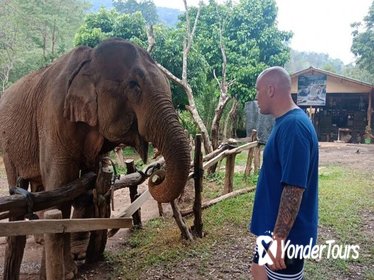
x=355, y=156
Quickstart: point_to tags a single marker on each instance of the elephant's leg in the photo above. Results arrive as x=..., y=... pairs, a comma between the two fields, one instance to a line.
x=13, y=255
x=56, y=172
x=15, y=244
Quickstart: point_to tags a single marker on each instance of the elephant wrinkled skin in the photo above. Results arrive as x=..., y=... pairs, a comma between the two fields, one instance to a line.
x=56, y=122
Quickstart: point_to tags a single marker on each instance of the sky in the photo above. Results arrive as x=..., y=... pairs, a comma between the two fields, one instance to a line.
x=322, y=26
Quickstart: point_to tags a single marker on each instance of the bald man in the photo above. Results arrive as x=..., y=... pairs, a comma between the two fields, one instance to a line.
x=285, y=209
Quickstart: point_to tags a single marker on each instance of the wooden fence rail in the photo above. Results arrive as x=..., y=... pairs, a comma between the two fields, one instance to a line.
x=16, y=205
x=61, y=225
x=229, y=152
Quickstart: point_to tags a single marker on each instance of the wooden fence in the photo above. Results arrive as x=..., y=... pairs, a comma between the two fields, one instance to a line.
x=228, y=151
x=53, y=225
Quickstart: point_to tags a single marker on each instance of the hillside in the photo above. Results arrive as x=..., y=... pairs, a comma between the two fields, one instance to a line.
x=166, y=15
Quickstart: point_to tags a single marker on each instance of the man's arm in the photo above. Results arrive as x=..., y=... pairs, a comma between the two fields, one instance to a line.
x=288, y=209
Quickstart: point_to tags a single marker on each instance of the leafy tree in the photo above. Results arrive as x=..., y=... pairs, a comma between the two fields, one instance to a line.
x=109, y=23
x=34, y=33
x=363, y=42
x=251, y=38
x=353, y=71
x=237, y=42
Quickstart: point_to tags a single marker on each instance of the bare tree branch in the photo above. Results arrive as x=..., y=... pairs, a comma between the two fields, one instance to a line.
x=151, y=38
x=170, y=75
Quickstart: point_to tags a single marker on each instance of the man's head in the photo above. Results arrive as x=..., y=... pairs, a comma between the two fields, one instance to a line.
x=273, y=88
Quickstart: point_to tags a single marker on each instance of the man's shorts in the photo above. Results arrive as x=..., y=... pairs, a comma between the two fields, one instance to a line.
x=294, y=270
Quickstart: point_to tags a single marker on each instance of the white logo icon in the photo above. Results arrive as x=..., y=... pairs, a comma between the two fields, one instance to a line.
x=264, y=244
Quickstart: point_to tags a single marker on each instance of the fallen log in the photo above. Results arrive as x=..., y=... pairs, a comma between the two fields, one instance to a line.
x=218, y=199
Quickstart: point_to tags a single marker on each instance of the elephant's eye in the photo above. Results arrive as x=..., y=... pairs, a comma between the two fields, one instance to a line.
x=134, y=85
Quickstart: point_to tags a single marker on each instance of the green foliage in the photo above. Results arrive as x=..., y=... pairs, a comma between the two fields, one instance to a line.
x=109, y=23
x=188, y=123
x=89, y=37
x=358, y=74
x=363, y=42
x=251, y=39
x=34, y=33
x=204, y=104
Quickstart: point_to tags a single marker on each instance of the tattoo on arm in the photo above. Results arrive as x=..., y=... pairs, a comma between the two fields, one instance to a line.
x=288, y=210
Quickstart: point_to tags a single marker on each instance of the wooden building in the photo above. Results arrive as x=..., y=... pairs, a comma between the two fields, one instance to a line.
x=341, y=108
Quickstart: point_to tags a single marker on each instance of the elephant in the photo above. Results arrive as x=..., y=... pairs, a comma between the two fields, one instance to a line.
x=56, y=123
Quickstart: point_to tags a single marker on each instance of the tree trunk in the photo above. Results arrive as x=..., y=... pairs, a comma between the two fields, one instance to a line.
x=223, y=100
x=223, y=97
x=183, y=82
x=229, y=130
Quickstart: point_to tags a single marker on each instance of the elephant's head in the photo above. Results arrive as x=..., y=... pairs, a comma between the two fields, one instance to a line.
x=121, y=91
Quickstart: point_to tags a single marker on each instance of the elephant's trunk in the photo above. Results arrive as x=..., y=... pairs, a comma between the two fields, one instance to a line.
x=166, y=133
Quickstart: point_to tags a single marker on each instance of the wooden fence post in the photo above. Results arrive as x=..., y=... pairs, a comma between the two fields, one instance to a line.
x=248, y=166
x=257, y=158
x=197, y=228
x=136, y=217
x=229, y=176
x=98, y=239
x=54, y=249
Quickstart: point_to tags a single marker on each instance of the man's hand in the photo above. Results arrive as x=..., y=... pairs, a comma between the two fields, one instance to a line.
x=278, y=260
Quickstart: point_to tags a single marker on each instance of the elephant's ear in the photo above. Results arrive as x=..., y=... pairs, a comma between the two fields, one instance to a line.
x=81, y=99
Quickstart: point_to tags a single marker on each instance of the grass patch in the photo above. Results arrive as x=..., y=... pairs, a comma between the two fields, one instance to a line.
x=159, y=243
x=344, y=196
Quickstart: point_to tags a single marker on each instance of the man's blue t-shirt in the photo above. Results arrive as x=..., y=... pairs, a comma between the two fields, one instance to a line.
x=290, y=158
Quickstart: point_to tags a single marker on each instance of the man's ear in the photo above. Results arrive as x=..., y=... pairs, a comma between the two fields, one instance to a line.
x=270, y=90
